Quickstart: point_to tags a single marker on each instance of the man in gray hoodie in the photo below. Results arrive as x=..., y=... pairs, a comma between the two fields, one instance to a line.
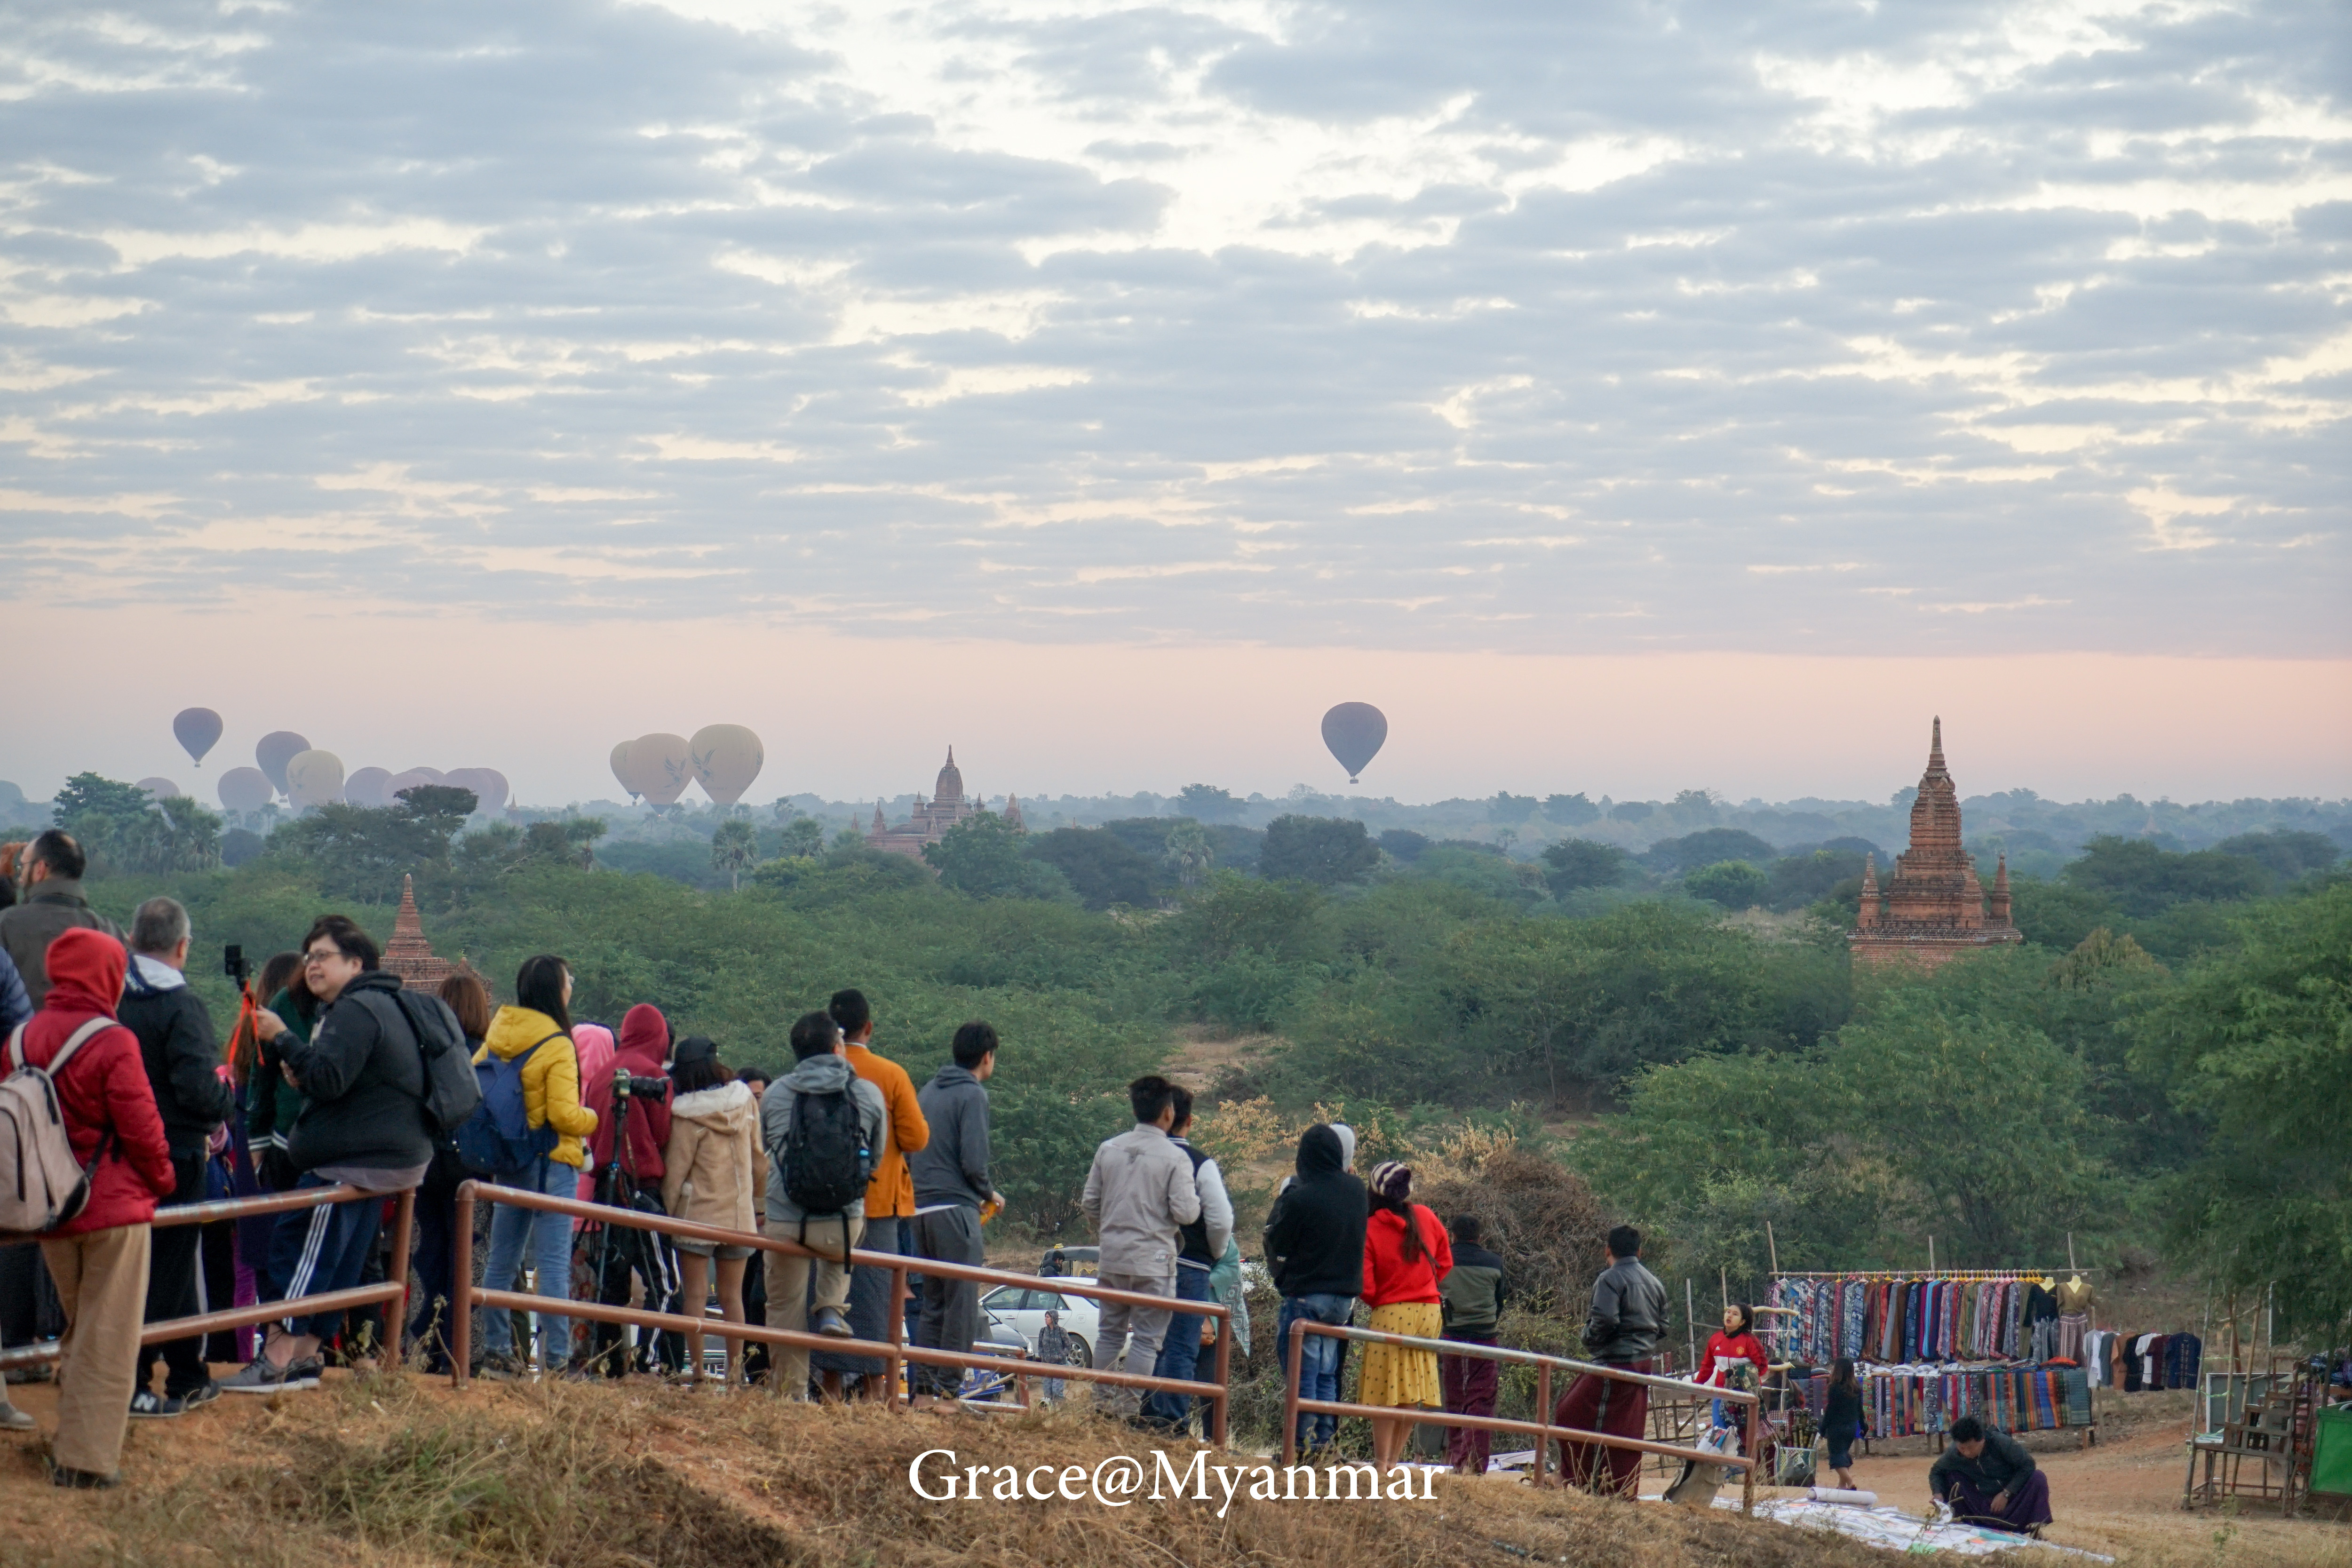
x=819, y=1068
x=952, y=1195
x=1140, y=1193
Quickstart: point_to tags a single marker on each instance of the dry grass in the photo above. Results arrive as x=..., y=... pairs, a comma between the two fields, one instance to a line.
x=398, y=1472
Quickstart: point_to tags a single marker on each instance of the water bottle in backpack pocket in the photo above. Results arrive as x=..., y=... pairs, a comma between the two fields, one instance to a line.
x=498, y=1136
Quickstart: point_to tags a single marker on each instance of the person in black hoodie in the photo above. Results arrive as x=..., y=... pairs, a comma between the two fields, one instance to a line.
x=193, y=1095
x=1314, y=1244
x=362, y=1122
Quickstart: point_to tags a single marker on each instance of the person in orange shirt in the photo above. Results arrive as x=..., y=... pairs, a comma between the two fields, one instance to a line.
x=889, y=1196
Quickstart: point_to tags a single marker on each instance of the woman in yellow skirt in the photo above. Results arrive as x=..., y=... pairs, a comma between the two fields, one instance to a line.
x=1406, y=1253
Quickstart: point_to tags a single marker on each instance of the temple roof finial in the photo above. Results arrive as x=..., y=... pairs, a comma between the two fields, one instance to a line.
x=1936, y=747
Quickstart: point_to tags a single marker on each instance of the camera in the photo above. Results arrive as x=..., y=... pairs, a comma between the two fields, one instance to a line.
x=639, y=1088
x=234, y=964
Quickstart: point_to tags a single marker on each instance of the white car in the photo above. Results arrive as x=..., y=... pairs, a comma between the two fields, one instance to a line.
x=1022, y=1308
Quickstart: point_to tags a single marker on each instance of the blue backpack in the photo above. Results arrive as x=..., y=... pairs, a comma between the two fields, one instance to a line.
x=498, y=1136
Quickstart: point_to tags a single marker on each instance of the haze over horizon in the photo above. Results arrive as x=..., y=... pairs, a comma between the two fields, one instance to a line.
x=1624, y=398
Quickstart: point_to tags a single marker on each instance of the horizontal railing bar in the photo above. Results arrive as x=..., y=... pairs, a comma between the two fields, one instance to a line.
x=236, y=1208
x=230, y=1318
x=797, y=1338
x=486, y=1192
x=1530, y=1358
x=1421, y=1415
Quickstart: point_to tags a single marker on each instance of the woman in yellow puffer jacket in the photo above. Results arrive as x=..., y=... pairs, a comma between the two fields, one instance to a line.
x=539, y=1028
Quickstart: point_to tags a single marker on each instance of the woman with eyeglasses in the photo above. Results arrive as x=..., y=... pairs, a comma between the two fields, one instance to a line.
x=362, y=1125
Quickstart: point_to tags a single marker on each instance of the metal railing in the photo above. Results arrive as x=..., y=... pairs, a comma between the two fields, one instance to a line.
x=393, y=1292
x=894, y=1351
x=1543, y=1429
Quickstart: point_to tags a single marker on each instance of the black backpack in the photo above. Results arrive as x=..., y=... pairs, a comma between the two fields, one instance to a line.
x=826, y=1161
x=451, y=1091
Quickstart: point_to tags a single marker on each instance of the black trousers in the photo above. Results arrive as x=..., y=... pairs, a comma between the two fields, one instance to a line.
x=615, y=1253
x=171, y=1254
x=432, y=1307
x=218, y=1269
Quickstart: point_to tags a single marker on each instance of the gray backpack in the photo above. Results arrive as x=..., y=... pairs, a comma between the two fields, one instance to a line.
x=42, y=1186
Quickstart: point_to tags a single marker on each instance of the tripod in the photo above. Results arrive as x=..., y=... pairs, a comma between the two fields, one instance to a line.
x=623, y=1249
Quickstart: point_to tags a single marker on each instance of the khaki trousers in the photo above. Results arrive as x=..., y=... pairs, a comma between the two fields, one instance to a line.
x=788, y=1290
x=102, y=1280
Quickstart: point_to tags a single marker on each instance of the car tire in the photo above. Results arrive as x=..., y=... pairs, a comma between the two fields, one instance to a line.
x=1081, y=1353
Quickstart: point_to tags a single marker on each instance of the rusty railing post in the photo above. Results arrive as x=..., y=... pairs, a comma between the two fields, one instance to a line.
x=395, y=1312
x=1543, y=1418
x=1290, y=1392
x=1748, y=1480
x=461, y=1289
x=897, y=1326
x=1221, y=1408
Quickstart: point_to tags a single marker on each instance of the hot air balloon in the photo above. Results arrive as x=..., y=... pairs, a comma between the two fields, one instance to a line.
x=314, y=778
x=366, y=788
x=488, y=785
x=197, y=730
x=432, y=775
x=725, y=758
x=161, y=788
x=274, y=751
x=621, y=767
x=1354, y=731
x=245, y=789
x=661, y=766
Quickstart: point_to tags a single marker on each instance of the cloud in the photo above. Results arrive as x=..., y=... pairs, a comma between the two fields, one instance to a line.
x=1372, y=323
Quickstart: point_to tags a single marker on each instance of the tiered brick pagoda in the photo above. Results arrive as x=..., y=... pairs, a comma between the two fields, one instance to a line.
x=931, y=818
x=1934, y=909
x=408, y=954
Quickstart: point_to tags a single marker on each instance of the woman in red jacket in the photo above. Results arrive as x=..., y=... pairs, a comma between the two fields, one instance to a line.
x=99, y=1258
x=1406, y=1253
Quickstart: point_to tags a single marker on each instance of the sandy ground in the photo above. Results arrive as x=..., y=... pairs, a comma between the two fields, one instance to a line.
x=2121, y=1497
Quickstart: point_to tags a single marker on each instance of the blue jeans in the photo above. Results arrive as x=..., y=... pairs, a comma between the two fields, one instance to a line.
x=1180, y=1349
x=1318, y=1360
x=550, y=1239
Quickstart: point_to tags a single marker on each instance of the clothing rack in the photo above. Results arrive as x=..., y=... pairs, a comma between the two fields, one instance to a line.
x=1940, y=1351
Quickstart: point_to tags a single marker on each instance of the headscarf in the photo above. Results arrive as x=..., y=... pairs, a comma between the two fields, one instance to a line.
x=1347, y=1145
x=594, y=1044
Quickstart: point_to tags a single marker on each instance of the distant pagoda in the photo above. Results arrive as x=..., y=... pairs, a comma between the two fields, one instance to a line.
x=1934, y=909
x=408, y=954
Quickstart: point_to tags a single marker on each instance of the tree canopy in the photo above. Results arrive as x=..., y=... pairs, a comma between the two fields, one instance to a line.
x=1325, y=850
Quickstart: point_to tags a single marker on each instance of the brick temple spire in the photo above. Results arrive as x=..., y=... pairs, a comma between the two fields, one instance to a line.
x=1996, y=907
x=408, y=954
x=1935, y=907
x=1869, y=916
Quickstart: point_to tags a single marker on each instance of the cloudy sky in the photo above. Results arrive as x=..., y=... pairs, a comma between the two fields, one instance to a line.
x=1524, y=333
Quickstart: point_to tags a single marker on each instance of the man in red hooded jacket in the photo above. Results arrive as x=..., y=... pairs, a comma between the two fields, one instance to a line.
x=99, y=1258
x=643, y=1048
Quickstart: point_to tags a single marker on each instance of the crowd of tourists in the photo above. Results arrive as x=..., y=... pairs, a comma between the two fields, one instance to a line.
x=336, y=1076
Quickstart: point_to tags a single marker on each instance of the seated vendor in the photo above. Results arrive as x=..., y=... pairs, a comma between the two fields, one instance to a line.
x=1989, y=1479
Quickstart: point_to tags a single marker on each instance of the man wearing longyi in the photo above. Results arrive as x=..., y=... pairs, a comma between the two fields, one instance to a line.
x=1989, y=1479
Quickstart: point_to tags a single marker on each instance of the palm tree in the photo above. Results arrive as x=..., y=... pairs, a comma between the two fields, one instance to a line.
x=734, y=847
x=1190, y=853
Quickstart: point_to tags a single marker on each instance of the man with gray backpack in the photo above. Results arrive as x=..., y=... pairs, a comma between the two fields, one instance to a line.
x=822, y=1126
